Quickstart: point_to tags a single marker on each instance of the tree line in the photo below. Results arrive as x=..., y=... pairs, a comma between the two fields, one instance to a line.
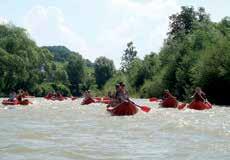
x=196, y=52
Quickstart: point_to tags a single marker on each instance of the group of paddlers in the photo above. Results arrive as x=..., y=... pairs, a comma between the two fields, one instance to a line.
x=18, y=96
x=54, y=95
x=121, y=95
x=198, y=95
x=24, y=94
x=199, y=102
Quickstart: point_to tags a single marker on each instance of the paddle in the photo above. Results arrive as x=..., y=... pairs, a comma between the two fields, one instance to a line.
x=143, y=108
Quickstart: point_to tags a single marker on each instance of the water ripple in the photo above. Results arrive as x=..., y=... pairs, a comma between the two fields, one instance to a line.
x=67, y=131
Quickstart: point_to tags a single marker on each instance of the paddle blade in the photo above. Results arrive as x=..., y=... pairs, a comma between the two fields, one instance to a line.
x=145, y=108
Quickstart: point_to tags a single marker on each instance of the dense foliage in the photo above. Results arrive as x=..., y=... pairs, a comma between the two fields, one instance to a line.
x=195, y=53
x=24, y=65
x=21, y=61
x=104, y=70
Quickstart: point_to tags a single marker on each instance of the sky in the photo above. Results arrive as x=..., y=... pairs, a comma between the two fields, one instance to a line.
x=101, y=27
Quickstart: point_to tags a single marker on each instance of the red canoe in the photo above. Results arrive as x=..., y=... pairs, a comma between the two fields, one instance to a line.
x=87, y=101
x=153, y=99
x=7, y=102
x=16, y=102
x=123, y=109
x=106, y=98
x=25, y=102
x=198, y=105
x=97, y=99
x=60, y=98
x=169, y=103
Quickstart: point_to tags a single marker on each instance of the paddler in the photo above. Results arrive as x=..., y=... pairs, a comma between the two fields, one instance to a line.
x=59, y=95
x=123, y=95
x=199, y=95
x=12, y=96
x=87, y=94
x=49, y=95
x=26, y=93
x=20, y=95
x=167, y=95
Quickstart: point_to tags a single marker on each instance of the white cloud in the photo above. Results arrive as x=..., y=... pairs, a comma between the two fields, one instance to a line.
x=147, y=8
x=3, y=20
x=47, y=26
x=145, y=23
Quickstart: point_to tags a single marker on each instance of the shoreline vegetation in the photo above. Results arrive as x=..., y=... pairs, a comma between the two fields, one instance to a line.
x=196, y=52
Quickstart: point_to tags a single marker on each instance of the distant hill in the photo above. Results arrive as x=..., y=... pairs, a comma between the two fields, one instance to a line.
x=61, y=53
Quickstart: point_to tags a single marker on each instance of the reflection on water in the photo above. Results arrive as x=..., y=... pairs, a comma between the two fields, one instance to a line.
x=66, y=130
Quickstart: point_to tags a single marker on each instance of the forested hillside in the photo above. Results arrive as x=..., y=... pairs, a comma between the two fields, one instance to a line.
x=195, y=53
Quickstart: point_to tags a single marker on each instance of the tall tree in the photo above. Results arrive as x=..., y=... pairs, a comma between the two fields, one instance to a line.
x=21, y=59
x=104, y=70
x=129, y=55
x=75, y=71
x=136, y=73
x=183, y=21
x=202, y=15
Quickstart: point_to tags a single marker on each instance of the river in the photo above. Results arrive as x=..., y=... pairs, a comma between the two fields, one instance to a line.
x=52, y=130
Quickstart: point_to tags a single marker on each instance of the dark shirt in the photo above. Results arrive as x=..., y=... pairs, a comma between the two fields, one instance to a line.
x=167, y=95
x=122, y=97
x=200, y=96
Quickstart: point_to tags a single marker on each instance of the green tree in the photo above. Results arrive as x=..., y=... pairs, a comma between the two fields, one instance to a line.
x=151, y=65
x=183, y=21
x=21, y=59
x=224, y=27
x=104, y=70
x=129, y=55
x=212, y=72
x=135, y=73
x=60, y=53
x=75, y=71
x=89, y=82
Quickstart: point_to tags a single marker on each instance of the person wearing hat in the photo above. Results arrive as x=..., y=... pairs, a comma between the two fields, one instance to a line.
x=59, y=95
x=123, y=95
x=87, y=94
x=20, y=95
x=167, y=94
x=199, y=95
